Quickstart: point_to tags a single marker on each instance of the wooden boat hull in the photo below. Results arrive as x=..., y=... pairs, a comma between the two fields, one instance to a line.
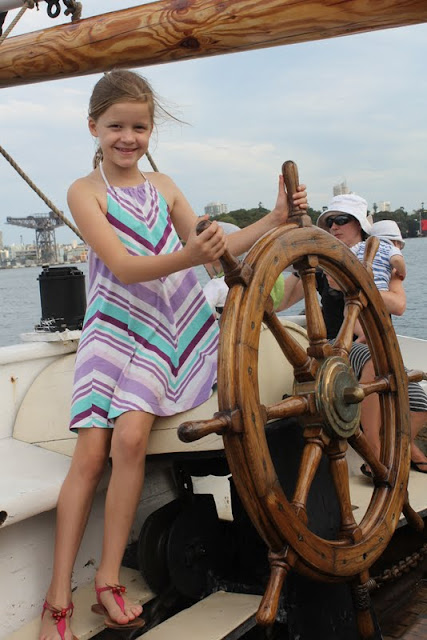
x=29, y=374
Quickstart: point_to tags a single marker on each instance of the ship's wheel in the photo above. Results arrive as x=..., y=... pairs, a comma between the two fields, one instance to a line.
x=326, y=401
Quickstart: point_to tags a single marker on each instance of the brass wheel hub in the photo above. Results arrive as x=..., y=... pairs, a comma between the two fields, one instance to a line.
x=338, y=397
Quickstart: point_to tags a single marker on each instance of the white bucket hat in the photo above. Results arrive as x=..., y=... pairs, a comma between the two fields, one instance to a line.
x=347, y=203
x=388, y=230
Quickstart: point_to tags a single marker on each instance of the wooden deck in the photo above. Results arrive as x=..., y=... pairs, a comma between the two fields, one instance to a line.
x=410, y=621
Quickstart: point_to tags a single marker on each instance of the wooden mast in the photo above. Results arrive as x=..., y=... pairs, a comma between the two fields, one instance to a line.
x=172, y=30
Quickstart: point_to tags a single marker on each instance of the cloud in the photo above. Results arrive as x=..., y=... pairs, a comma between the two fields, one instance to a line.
x=347, y=108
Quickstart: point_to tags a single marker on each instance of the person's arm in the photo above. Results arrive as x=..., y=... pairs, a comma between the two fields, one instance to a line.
x=294, y=292
x=240, y=241
x=398, y=262
x=395, y=297
x=86, y=205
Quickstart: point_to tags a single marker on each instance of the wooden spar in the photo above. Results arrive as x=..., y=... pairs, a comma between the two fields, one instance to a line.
x=172, y=30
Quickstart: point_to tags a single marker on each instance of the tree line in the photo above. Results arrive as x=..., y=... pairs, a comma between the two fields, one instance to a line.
x=409, y=223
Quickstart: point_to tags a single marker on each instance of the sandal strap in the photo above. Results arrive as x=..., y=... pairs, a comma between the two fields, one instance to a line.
x=58, y=615
x=116, y=590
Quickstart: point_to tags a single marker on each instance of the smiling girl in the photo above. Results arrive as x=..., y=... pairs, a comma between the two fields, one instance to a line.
x=149, y=341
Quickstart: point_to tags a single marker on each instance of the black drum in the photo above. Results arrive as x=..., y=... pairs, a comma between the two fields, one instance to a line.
x=63, y=298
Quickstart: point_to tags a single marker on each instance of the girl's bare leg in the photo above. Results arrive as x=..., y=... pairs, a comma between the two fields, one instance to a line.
x=128, y=450
x=74, y=503
x=370, y=411
x=371, y=419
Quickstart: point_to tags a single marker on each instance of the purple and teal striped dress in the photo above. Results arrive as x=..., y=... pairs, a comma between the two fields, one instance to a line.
x=149, y=346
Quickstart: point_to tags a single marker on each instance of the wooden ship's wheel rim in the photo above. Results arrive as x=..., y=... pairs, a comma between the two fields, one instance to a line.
x=326, y=402
x=280, y=522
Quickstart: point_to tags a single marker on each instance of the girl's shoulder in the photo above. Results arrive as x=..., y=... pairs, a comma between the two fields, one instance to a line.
x=92, y=182
x=89, y=187
x=157, y=178
x=164, y=185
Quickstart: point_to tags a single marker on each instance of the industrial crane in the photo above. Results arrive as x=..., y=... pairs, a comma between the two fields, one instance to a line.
x=44, y=226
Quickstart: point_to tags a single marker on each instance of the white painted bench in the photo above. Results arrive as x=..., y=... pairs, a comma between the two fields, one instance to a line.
x=44, y=413
x=220, y=616
x=35, y=450
x=30, y=480
x=32, y=475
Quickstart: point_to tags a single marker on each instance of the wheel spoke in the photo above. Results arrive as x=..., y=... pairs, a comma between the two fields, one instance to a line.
x=281, y=563
x=316, y=328
x=304, y=366
x=339, y=471
x=312, y=454
x=219, y=424
x=288, y=408
x=371, y=247
x=413, y=518
x=353, y=306
x=360, y=444
x=379, y=385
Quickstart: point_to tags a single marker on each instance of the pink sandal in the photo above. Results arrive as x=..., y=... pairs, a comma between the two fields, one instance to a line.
x=116, y=590
x=59, y=616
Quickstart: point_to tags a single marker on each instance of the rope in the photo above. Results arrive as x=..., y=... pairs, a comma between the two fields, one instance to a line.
x=151, y=161
x=72, y=7
x=28, y=4
x=45, y=199
x=75, y=8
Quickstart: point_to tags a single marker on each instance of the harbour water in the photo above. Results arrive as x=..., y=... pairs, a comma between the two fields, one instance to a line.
x=20, y=297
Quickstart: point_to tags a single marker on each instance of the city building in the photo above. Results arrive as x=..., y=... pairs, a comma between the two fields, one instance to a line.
x=26, y=256
x=4, y=257
x=340, y=189
x=75, y=253
x=384, y=206
x=216, y=208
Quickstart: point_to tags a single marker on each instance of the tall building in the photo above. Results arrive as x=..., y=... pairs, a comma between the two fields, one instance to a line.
x=340, y=189
x=216, y=208
x=384, y=206
x=1, y=239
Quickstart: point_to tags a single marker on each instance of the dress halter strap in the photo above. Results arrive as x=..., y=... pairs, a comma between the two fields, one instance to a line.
x=101, y=168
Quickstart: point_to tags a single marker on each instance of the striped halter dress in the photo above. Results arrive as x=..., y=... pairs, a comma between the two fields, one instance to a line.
x=149, y=346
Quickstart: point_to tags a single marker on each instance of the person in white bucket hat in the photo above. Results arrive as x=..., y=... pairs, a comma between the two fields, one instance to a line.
x=388, y=256
x=388, y=230
x=347, y=220
x=346, y=208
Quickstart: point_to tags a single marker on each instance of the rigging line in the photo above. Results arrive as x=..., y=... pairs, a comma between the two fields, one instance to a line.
x=49, y=203
x=75, y=8
x=151, y=161
x=72, y=7
x=28, y=4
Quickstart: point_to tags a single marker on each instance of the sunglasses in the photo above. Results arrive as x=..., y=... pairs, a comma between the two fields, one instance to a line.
x=339, y=220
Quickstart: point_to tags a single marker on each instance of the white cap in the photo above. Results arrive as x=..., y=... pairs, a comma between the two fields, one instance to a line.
x=347, y=203
x=388, y=230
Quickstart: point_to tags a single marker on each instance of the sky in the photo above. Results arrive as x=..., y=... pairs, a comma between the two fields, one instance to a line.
x=351, y=108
